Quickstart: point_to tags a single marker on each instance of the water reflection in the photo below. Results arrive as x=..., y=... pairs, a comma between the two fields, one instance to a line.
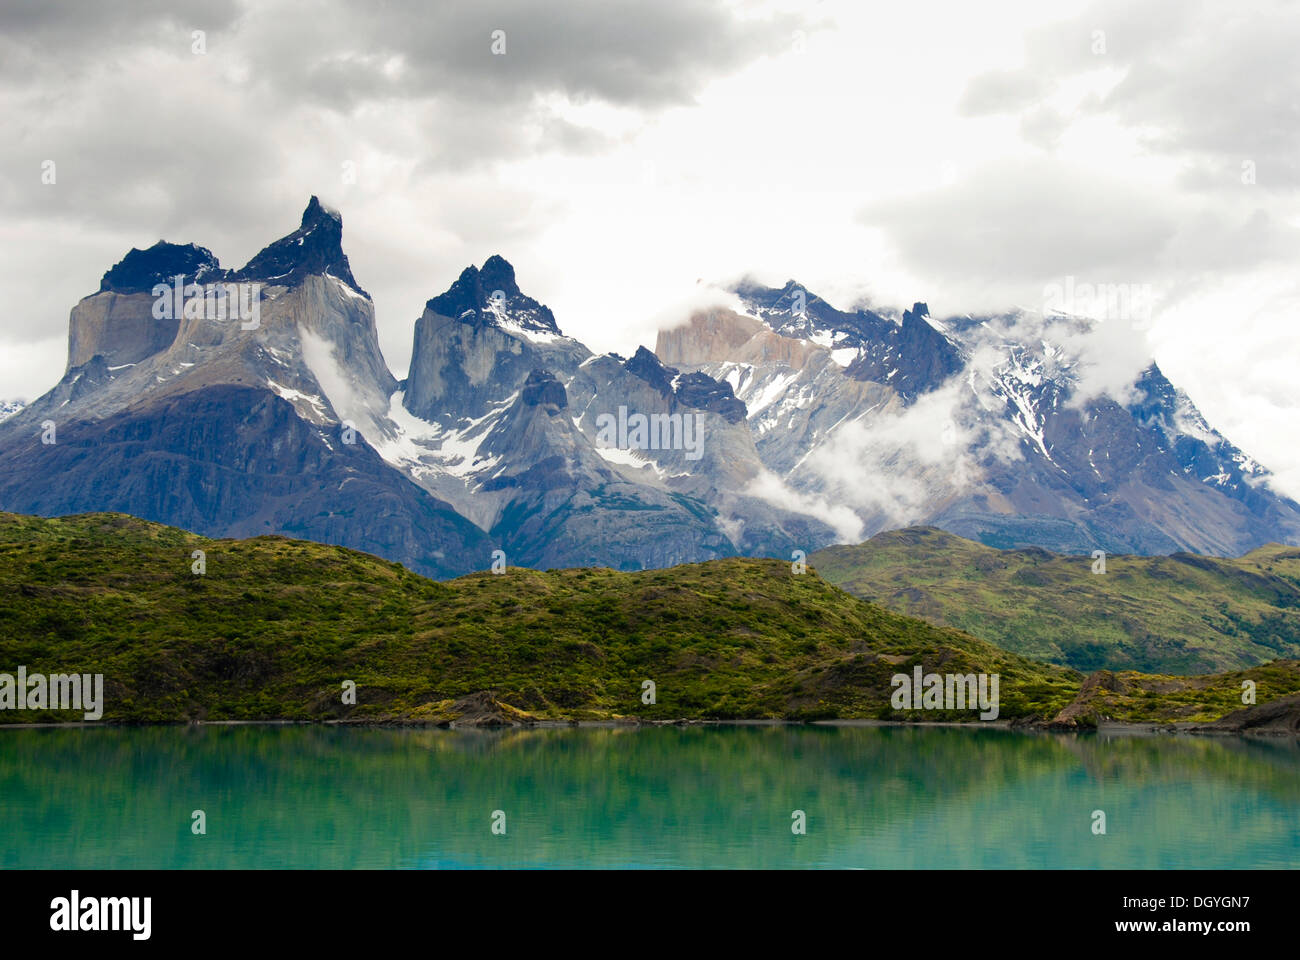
x=874, y=797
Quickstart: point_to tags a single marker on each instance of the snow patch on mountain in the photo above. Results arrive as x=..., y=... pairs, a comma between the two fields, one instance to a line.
x=520, y=323
x=629, y=458
x=317, y=412
x=424, y=450
x=346, y=289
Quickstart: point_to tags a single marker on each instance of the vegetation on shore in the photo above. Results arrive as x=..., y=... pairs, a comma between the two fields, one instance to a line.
x=1181, y=614
x=274, y=628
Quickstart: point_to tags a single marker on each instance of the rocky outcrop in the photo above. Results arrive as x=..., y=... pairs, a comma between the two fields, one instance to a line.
x=912, y=356
x=492, y=293
x=554, y=500
x=541, y=387
x=120, y=329
x=719, y=466
x=141, y=270
x=480, y=709
x=118, y=322
x=1279, y=717
x=1088, y=707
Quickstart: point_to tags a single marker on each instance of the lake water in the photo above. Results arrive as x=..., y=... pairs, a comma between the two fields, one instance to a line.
x=274, y=797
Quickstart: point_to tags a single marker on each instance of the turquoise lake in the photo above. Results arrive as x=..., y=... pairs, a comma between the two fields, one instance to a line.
x=722, y=797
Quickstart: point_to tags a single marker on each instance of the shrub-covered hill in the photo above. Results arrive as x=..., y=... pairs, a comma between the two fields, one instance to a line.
x=274, y=628
x=1180, y=614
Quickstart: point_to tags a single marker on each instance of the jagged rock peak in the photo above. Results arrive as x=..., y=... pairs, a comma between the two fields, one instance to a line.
x=795, y=311
x=542, y=387
x=651, y=369
x=697, y=390
x=315, y=248
x=498, y=274
x=317, y=211
x=919, y=311
x=491, y=294
x=140, y=270
x=702, y=392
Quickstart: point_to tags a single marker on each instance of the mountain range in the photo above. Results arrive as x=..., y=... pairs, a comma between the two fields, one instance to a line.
x=769, y=424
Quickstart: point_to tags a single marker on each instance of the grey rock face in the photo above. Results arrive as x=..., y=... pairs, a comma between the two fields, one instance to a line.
x=118, y=328
x=227, y=461
x=477, y=343
x=541, y=387
x=228, y=431
x=716, y=461
x=560, y=503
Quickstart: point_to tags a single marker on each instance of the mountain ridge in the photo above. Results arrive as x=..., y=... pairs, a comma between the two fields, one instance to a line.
x=819, y=425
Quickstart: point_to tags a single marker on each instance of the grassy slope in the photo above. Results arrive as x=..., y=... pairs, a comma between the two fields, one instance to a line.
x=1180, y=614
x=275, y=626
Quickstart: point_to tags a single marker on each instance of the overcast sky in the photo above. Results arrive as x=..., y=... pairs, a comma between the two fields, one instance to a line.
x=963, y=154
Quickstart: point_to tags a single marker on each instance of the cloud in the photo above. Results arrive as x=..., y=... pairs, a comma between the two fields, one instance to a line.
x=1008, y=229
x=702, y=297
x=1210, y=84
x=342, y=55
x=1000, y=91
x=38, y=40
x=17, y=360
x=841, y=518
x=893, y=467
x=1102, y=353
x=622, y=52
x=277, y=76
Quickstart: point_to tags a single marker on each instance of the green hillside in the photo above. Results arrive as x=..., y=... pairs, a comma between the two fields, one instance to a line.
x=275, y=626
x=1182, y=614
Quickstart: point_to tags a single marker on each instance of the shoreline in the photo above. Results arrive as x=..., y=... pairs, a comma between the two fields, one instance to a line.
x=1105, y=728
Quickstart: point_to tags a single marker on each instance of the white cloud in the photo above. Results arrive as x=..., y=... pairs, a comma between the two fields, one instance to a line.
x=839, y=517
x=893, y=468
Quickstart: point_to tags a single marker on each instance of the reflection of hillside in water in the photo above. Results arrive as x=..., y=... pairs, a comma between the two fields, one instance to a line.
x=695, y=797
